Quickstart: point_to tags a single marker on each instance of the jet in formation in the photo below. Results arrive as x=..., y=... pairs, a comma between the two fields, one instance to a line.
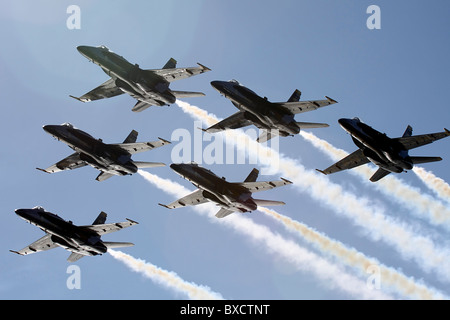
x=230, y=196
x=149, y=87
x=80, y=240
x=110, y=159
x=274, y=118
x=389, y=154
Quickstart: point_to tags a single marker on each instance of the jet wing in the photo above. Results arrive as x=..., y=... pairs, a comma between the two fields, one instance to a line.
x=43, y=244
x=191, y=199
x=173, y=74
x=304, y=106
x=102, y=229
x=137, y=147
x=263, y=185
x=235, y=121
x=71, y=162
x=107, y=89
x=353, y=160
x=421, y=140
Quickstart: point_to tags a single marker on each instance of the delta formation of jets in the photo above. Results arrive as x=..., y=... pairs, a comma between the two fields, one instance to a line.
x=150, y=87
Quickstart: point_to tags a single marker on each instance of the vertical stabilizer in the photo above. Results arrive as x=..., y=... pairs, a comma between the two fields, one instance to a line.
x=101, y=219
x=252, y=176
x=295, y=96
x=408, y=132
x=132, y=137
x=171, y=64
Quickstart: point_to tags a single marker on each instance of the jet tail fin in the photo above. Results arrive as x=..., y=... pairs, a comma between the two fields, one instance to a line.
x=140, y=106
x=252, y=176
x=132, y=137
x=379, y=174
x=408, y=132
x=74, y=257
x=142, y=164
x=171, y=64
x=295, y=97
x=418, y=160
x=267, y=203
x=222, y=213
x=101, y=219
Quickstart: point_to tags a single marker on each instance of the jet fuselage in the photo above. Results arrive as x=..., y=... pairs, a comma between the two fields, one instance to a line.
x=142, y=85
x=64, y=233
x=225, y=194
x=265, y=114
x=377, y=147
x=107, y=158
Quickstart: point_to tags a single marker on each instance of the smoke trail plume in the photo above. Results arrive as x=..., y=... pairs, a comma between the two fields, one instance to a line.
x=389, y=276
x=168, y=279
x=302, y=259
x=421, y=205
x=358, y=210
x=437, y=185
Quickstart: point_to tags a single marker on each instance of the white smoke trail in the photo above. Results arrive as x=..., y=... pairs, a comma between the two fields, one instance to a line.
x=437, y=185
x=358, y=210
x=304, y=260
x=168, y=279
x=391, y=277
x=421, y=205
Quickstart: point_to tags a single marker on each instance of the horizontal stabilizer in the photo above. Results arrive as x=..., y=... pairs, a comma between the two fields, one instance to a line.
x=187, y=94
x=142, y=165
x=113, y=245
x=311, y=125
x=74, y=257
x=140, y=106
x=418, y=160
x=222, y=213
x=379, y=174
x=268, y=203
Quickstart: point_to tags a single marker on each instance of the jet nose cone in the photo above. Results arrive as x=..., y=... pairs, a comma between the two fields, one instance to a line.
x=86, y=51
x=218, y=85
x=51, y=129
x=23, y=213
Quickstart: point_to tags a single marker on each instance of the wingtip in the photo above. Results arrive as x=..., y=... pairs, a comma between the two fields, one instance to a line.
x=76, y=98
x=43, y=170
x=205, y=68
x=447, y=131
x=164, y=140
x=321, y=171
x=163, y=205
x=132, y=221
x=286, y=180
x=16, y=252
x=331, y=100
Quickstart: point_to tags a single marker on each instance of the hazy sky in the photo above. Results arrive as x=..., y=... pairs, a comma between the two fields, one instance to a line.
x=390, y=78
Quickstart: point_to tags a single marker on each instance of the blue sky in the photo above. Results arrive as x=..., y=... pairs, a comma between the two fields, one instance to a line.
x=390, y=78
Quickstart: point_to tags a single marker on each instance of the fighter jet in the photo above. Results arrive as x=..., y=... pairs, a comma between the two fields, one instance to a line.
x=149, y=87
x=110, y=159
x=231, y=196
x=80, y=240
x=274, y=118
x=389, y=154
